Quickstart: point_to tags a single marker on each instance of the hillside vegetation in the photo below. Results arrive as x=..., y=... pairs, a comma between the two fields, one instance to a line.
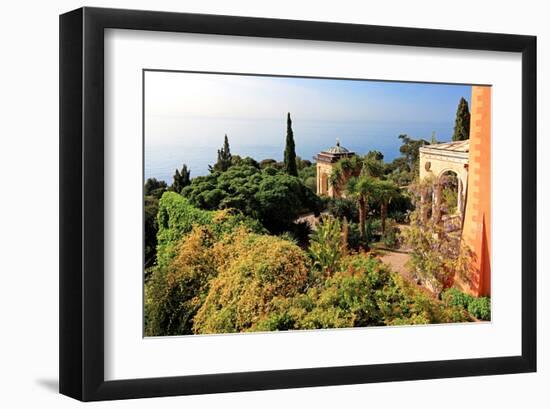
x=219, y=271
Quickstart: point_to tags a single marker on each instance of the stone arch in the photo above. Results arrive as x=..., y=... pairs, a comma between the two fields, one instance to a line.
x=456, y=185
x=437, y=160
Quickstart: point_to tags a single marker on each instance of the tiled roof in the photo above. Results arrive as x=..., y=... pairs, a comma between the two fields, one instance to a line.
x=338, y=149
x=458, y=146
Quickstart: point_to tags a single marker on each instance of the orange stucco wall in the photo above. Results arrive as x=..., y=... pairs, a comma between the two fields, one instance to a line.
x=477, y=220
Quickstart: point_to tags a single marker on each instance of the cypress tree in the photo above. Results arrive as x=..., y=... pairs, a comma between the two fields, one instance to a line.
x=224, y=157
x=462, y=122
x=290, y=150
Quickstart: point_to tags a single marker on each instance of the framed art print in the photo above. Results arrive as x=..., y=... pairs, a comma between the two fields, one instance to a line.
x=254, y=204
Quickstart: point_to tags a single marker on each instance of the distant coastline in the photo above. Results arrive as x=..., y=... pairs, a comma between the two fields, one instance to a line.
x=263, y=139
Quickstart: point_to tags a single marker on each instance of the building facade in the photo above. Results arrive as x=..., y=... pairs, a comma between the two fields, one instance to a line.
x=470, y=160
x=326, y=160
x=440, y=159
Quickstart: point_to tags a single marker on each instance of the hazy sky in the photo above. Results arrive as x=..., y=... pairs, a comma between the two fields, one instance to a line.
x=180, y=95
x=187, y=115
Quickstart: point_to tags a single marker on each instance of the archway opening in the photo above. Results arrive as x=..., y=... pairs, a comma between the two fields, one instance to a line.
x=451, y=200
x=324, y=184
x=450, y=191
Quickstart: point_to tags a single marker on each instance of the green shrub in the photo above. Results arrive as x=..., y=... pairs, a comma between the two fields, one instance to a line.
x=300, y=232
x=308, y=175
x=219, y=275
x=342, y=207
x=363, y=293
x=479, y=307
x=174, y=294
x=455, y=297
x=373, y=229
x=268, y=195
x=253, y=270
x=150, y=210
x=391, y=237
x=436, y=255
x=400, y=206
x=354, y=236
x=325, y=244
x=176, y=217
x=399, y=216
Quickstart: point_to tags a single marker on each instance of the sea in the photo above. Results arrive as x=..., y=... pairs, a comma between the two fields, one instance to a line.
x=194, y=141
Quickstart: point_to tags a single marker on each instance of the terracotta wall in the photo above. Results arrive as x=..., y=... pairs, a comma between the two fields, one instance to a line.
x=477, y=222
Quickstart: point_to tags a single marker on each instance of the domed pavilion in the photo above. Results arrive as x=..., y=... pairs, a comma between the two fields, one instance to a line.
x=326, y=161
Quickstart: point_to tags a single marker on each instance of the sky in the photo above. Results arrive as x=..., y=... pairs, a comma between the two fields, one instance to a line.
x=190, y=112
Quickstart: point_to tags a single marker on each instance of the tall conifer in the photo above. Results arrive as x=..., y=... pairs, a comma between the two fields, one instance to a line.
x=290, y=150
x=462, y=122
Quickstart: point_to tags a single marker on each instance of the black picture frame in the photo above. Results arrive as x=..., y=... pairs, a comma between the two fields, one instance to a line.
x=81, y=325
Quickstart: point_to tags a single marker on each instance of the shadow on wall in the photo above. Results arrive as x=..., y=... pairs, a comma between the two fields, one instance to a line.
x=485, y=284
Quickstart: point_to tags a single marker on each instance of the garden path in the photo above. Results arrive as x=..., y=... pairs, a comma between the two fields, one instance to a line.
x=397, y=260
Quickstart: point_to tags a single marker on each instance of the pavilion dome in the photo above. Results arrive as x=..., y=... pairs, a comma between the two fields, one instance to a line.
x=338, y=149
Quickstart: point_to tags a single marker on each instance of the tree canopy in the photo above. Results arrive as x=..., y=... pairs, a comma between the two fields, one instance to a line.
x=154, y=187
x=410, y=151
x=268, y=195
x=224, y=157
x=181, y=179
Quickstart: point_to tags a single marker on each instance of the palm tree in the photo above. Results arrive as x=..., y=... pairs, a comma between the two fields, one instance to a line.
x=361, y=188
x=386, y=191
x=343, y=170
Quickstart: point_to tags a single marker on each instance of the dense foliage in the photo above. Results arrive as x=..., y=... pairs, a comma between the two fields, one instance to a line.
x=410, y=159
x=181, y=179
x=226, y=252
x=152, y=191
x=437, y=255
x=307, y=174
x=343, y=207
x=253, y=270
x=219, y=272
x=225, y=158
x=176, y=217
x=268, y=195
x=184, y=267
x=326, y=245
x=391, y=235
x=362, y=293
x=479, y=307
x=154, y=187
x=176, y=291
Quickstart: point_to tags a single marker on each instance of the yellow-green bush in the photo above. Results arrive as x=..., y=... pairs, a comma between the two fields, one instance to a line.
x=253, y=270
x=176, y=217
x=178, y=284
x=174, y=293
x=364, y=293
x=221, y=276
